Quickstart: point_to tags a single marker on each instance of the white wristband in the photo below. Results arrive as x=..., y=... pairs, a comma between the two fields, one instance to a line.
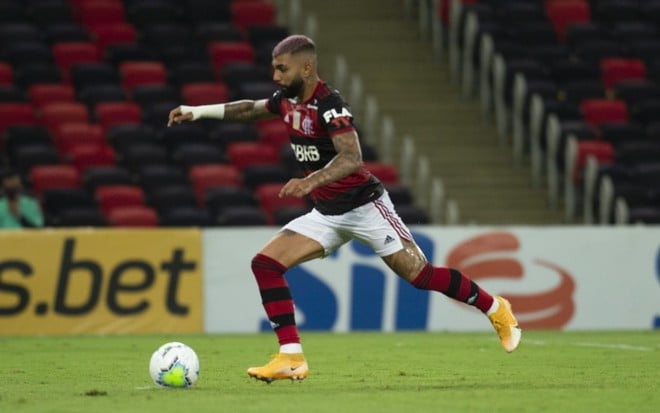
x=205, y=111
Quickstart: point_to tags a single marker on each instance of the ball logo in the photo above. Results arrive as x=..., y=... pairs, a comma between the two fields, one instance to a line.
x=491, y=256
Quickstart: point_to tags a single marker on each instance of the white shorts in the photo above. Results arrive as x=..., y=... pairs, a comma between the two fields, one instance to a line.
x=376, y=224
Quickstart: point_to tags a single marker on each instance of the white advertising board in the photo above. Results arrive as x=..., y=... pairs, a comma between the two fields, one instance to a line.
x=577, y=278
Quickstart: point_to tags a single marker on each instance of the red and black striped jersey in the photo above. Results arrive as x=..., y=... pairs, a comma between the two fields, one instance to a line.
x=312, y=125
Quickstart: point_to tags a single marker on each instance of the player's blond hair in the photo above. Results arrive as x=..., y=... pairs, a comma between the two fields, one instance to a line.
x=294, y=44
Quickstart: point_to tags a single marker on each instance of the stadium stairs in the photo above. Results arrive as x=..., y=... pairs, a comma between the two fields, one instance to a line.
x=398, y=70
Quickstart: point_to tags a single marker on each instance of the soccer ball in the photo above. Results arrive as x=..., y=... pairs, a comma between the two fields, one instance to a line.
x=174, y=365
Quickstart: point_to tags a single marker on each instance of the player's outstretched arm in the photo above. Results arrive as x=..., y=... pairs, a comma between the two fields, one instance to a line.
x=240, y=110
x=347, y=161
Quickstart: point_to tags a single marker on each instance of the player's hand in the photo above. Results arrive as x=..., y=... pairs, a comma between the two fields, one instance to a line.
x=177, y=117
x=296, y=187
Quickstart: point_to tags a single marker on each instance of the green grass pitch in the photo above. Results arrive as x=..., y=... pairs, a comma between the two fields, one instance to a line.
x=357, y=372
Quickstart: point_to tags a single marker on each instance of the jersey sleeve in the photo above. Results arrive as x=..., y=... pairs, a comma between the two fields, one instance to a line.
x=335, y=116
x=274, y=103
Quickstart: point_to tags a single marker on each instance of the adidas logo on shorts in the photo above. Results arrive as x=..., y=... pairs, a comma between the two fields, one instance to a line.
x=388, y=239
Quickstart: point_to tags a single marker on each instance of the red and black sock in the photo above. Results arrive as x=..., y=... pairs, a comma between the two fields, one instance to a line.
x=276, y=297
x=452, y=283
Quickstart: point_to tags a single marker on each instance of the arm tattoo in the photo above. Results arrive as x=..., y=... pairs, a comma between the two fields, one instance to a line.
x=347, y=160
x=246, y=110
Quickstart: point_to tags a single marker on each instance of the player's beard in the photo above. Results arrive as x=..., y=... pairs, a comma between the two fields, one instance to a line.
x=293, y=89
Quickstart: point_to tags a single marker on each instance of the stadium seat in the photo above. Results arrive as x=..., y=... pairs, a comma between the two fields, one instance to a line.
x=191, y=72
x=56, y=201
x=133, y=216
x=204, y=93
x=95, y=13
x=70, y=134
x=399, y=194
x=204, y=177
x=88, y=156
x=274, y=133
x=256, y=175
x=27, y=157
x=152, y=177
x=13, y=114
x=113, y=34
x=616, y=71
x=202, y=11
x=633, y=92
x=386, y=173
x=111, y=114
x=617, y=133
x=170, y=196
x=191, y=154
x=95, y=177
x=69, y=54
x=187, y=217
x=6, y=74
x=149, y=13
x=147, y=95
x=245, y=154
x=242, y=216
x=223, y=53
x=32, y=73
x=55, y=114
x=142, y=73
x=115, y=196
x=18, y=136
x=66, y=32
x=598, y=111
x=266, y=35
x=217, y=31
x=224, y=133
x=142, y=154
x=12, y=94
x=245, y=14
x=53, y=177
x=116, y=54
x=43, y=94
x=101, y=93
x=217, y=199
x=123, y=135
x=235, y=74
x=20, y=32
x=645, y=111
x=269, y=199
x=93, y=74
x=564, y=13
x=253, y=90
x=284, y=215
x=81, y=217
x=412, y=215
x=45, y=13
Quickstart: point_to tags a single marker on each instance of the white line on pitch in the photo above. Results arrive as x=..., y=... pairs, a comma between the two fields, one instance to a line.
x=614, y=346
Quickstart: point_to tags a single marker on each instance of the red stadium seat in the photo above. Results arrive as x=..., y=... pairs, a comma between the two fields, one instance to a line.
x=84, y=157
x=204, y=177
x=274, y=133
x=68, y=54
x=55, y=114
x=110, y=197
x=69, y=135
x=615, y=71
x=386, y=173
x=245, y=154
x=110, y=114
x=602, y=151
x=598, y=111
x=251, y=13
x=229, y=52
x=204, y=93
x=112, y=34
x=13, y=114
x=142, y=73
x=133, y=216
x=6, y=74
x=53, y=177
x=96, y=12
x=45, y=93
x=563, y=13
x=269, y=200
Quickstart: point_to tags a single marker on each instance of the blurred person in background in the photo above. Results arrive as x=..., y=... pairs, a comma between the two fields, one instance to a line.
x=18, y=209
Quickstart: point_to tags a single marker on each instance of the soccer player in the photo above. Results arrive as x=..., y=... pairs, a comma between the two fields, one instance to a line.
x=349, y=203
